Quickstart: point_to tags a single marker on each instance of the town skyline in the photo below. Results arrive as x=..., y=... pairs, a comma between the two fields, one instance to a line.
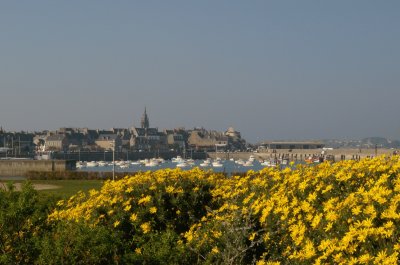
x=146, y=139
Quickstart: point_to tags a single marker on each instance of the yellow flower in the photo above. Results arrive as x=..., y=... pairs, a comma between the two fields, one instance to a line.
x=145, y=227
x=153, y=210
x=328, y=227
x=144, y=200
x=356, y=210
x=138, y=251
x=215, y=250
x=331, y=216
x=169, y=189
x=365, y=259
x=217, y=234
x=133, y=217
x=116, y=223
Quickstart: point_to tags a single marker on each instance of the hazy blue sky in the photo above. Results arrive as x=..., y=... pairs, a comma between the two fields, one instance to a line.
x=271, y=69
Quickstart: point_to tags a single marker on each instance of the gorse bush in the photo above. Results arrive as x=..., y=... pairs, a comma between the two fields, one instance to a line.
x=150, y=211
x=341, y=213
x=23, y=216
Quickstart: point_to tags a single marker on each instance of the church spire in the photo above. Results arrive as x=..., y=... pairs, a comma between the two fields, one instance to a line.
x=145, y=120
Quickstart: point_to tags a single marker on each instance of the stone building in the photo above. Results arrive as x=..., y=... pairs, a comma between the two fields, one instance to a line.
x=146, y=138
x=108, y=141
x=235, y=141
x=56, y=142
x=203, y=140
x=175, y=139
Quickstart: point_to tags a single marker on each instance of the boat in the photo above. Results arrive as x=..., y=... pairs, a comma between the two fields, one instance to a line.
x=284, y=162
x=217, y=164
x=182, y=165
x=92, y=164
x=239, y=161
x=80, y=164
x=206, y=163
x=151, y=163
x=102, y=164
x=248, y=163
x=177, y=159
x=190, y=161
x=268, y=163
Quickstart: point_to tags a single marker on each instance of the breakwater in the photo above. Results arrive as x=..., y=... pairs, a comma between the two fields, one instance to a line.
x=20, y=167
x=303, y=154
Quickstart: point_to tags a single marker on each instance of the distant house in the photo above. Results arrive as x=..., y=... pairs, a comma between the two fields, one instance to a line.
x=174, y=139
x=108, y=141
x=203, y=140
x=147, y=139
x=57, y=142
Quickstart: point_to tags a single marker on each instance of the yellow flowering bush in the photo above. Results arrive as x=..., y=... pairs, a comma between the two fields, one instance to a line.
x=341, y=213
x=144, y=206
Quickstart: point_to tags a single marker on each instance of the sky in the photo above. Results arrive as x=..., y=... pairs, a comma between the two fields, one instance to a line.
x=271, y=69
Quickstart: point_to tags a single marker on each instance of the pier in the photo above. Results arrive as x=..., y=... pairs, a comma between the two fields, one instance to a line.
x=303, y=154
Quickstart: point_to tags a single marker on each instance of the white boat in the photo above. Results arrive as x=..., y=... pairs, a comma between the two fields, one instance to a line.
x=151, y=163
x=190, y=162
x=159, y=160
x=248, y=163
x=206, y=163
x=80, y=164
x=92, y=164
x=239, y=161
x=268, y=163
x=102, y=164
x=177, y=159
x=182, y=165
x=217, y=164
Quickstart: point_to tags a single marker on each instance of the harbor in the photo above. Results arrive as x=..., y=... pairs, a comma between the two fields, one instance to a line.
x=227, y=162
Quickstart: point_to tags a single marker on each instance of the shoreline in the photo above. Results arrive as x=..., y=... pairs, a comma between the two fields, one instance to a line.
x=302, y=154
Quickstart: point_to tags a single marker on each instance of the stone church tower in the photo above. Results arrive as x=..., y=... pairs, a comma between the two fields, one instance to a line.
x=145, y=120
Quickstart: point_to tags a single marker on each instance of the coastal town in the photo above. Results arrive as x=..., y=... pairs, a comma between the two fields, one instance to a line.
x=152, y=142
x=135, y=139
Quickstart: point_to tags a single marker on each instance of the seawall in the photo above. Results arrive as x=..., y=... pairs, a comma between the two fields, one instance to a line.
x=302, y=154
x=19, y=167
